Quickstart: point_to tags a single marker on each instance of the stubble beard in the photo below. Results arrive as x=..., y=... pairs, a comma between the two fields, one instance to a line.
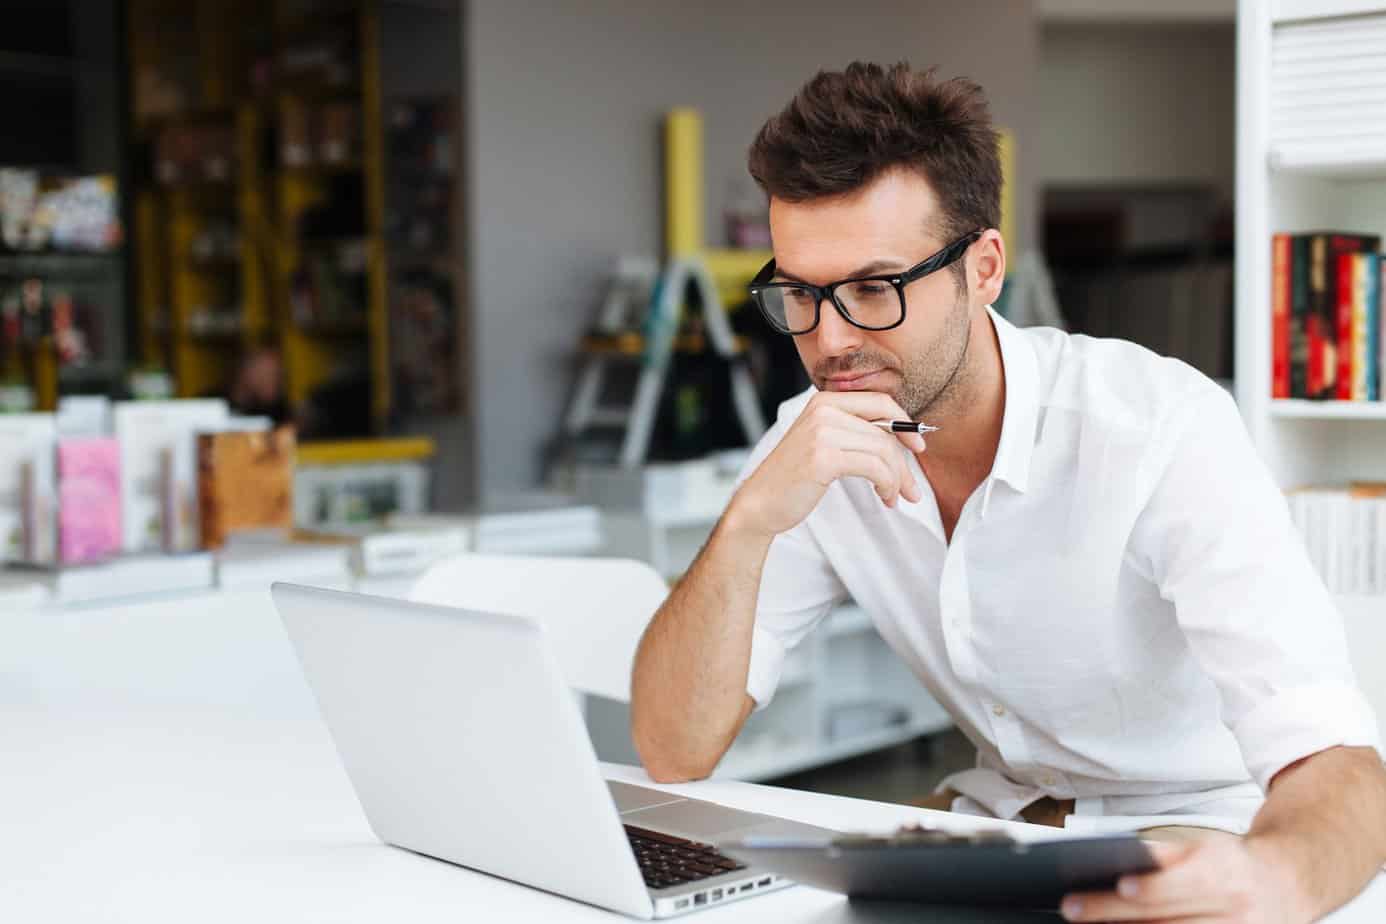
x=932, y=382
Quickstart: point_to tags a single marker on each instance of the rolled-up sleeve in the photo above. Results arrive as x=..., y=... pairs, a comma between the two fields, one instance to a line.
x=1256, y=615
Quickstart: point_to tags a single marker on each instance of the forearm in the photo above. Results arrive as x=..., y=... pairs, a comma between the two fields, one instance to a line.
x=688, y=690
x=1324, y=822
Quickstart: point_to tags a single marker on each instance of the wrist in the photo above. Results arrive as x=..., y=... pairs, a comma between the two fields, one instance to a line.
x=740, y=524
x=1284, y=870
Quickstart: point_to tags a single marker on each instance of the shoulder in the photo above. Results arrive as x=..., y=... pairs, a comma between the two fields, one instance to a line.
x=1116, y=383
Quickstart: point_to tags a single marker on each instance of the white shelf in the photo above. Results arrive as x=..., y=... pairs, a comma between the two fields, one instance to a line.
x=1295, y=10
x=1328, y=410
x=1339, y=164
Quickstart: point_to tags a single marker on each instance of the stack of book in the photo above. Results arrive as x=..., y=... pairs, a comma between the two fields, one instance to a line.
x=255, y=560
x=532, y=523
x=1327, y=326
x=1344, y=530
x=100, y=502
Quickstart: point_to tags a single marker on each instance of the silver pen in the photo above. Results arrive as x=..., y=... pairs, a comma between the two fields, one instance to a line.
x=904, y=426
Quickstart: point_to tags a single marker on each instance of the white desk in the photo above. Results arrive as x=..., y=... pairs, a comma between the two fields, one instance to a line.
x=164, y=762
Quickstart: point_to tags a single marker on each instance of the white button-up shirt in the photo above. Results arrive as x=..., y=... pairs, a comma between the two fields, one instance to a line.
x=1124, y=616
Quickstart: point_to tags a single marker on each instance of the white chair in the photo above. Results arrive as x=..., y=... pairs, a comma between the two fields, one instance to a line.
x=593, y=610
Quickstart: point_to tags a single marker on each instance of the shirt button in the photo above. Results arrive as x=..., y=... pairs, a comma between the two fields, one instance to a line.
x=1047, y=780
x=998, y=710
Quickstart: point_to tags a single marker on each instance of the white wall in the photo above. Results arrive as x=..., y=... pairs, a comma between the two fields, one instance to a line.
x=564, y=104
x=1137, y=104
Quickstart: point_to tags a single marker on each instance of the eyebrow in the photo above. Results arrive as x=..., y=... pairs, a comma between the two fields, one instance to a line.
x=874, y=268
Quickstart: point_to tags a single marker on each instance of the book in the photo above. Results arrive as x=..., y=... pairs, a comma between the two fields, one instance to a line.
x=84, y=415
x=1345, y=312
x=533, y=523
x=245, y=481
x=1375, y=342
x=158, y=470
x=1280, y=316
x=88, y=499
x=1299, y=316
x=254, y=561
x=1356, y=342
x=1344, y=531
x=28, y=499
x=1321, y=319
x=117, y=578
x=1362, y=267
x=383, y=550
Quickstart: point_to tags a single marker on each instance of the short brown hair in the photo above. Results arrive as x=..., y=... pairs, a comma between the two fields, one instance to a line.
x=845, y=128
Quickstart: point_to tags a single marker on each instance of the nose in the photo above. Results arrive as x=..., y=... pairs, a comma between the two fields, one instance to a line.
x=834, y=336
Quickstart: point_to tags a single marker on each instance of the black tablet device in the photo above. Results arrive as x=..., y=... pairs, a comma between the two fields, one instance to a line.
x=925, y=865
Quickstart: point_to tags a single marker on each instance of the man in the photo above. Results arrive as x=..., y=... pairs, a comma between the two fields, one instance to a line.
x=1088, y=565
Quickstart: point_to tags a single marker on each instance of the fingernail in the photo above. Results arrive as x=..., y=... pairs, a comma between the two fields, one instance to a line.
x=1072, y=908
x=1127, y=888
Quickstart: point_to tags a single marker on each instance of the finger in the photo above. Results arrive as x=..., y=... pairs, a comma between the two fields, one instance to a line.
x=848, y=432
x=1108, y=906
x=873, y=405
x=909, y=485
x=864, y=464
x=1179, y=890
x=1200, y=876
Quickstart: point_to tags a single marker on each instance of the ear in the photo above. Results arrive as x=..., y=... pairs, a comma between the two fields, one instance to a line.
x=987, y=266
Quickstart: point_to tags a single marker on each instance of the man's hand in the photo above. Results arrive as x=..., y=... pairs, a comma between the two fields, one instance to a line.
x=831, y=439
x=1222, y=881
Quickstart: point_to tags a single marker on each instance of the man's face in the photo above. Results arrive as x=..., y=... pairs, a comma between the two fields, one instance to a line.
x=887, y=226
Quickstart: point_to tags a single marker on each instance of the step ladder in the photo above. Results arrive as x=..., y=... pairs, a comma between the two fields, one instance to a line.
x=639, y=323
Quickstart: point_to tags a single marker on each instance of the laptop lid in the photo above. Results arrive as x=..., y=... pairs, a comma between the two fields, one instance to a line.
x=463, y=742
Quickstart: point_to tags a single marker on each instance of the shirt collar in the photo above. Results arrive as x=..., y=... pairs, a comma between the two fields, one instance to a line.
x=1021, y=371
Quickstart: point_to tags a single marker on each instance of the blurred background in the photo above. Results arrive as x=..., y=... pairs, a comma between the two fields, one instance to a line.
x=401, y=218
x=487, y=262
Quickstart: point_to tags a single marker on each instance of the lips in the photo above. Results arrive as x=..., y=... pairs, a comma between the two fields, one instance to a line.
x=860, y=382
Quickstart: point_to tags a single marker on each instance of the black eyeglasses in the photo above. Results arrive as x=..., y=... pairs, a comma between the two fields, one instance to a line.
x=868, y=302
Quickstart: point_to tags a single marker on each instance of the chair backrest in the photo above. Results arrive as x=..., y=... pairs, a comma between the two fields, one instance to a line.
x=593, y=610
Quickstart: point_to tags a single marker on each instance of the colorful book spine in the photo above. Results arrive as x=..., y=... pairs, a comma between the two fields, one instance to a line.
x=1324, y=248
x=1280, y=316
x=1374, y=358
x=1299, y=316
x=1343, y=293
x=89, y=527
x=1361, y=346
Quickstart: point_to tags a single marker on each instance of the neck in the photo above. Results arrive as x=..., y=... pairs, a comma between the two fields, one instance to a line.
x=969, y=420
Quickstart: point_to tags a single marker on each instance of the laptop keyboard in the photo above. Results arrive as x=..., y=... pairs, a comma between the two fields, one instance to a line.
x=666, y=861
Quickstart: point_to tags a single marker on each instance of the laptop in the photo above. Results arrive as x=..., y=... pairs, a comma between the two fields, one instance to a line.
x=464, y=743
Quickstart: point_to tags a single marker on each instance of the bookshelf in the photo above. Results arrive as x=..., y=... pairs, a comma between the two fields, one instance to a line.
x=1305, y=164
x=263, y=127
x=1311, y=156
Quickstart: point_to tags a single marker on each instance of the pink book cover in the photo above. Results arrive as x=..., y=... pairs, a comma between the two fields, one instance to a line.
x=88, y=499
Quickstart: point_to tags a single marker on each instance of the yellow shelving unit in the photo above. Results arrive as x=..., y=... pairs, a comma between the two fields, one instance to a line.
x=265, y=197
